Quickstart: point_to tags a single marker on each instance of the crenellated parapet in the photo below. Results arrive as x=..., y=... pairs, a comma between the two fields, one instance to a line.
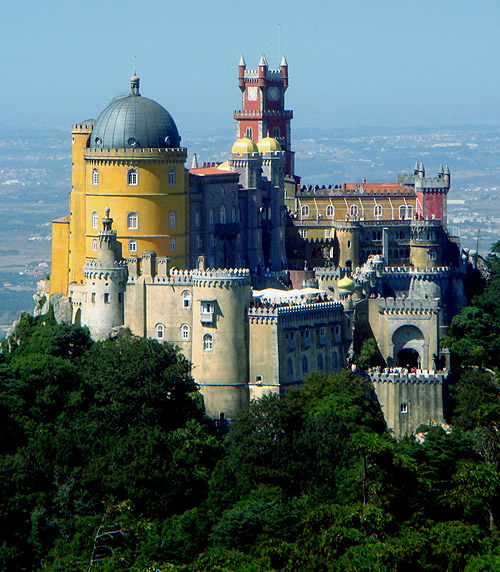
x=419, y=377
x=406, y=306
x=101, y=155
x=226, y=277
x=313, y=311
x=418, y=273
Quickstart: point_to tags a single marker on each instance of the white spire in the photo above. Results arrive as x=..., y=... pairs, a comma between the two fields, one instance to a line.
x=283, y=61
x=242, y=61
x=194, y=165
x=263, y=61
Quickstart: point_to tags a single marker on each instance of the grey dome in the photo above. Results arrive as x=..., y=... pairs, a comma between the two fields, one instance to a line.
x=133, y=121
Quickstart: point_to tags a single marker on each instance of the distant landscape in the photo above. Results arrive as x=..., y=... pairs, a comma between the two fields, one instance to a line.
x=35, y=180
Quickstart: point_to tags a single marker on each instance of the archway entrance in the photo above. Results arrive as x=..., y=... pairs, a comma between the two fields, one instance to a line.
x=409, y=358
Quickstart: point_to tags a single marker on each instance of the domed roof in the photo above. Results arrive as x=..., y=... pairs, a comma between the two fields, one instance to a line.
x=269, y=144
x=244, y=145
x=133, y=121
x=347, y=284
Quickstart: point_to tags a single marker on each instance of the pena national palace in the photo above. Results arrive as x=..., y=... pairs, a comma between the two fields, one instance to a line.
x=258, y=278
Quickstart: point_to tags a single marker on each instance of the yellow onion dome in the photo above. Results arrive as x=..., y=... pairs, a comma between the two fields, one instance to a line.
x=224, y=166
x=269, y=145
x=244, y=145
x=346, y=284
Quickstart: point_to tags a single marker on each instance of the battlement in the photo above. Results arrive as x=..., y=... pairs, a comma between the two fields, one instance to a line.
x=135, y=153
x=267, y=114
x=343, y=191
x=82, y=127
x=273, y=75
x=426, y=306
x=95, y=263
x=417, y=272
x=419, y=377
x=265, y=313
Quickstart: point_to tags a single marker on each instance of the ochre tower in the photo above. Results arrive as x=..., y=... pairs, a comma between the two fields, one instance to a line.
x=130, y=160
x=263, y=110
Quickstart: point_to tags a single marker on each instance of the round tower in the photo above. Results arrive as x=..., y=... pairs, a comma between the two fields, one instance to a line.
x=220, y=338
x=348, y=237
x=105, y=280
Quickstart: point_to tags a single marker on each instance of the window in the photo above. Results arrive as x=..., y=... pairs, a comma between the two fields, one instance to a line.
x=432, y=254
x=337, y=333
x=92, y=297
x=328, y=233
x=291, y=345
x=303, y=232
x=211, y=216
x=403, y=408
x=186, y=300
x=132, y=245
x=208, y=343
x=172, y=245
x=402, y=212
x=348, y=244
x=320, y=361
x=353, y=211
x=199, y=242
x=377, y=210
x=94, y=245
x=276, y=132
x=171, y=176
x=305, y=365
x=132, y=178
x=95, y=220
x=184, y=332
x=330, y=211
x=106, y=297
x=197, y=220
x=289, y=368
x=322, y=335
x=222, y=214
x=160, y=331
x=95, y=176
x=304, y=211
x=132, y=221
x=249, y=133
x=233, y=214
x=207, y=312
x=307, y=338
x=222, y=191
x=409, y=212
x=335, y=361
x=172, y=220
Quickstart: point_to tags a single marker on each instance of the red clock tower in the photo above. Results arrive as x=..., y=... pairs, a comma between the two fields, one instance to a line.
x=263, y=112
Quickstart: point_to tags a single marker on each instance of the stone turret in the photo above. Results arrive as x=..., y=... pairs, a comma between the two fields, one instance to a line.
x=105, y=279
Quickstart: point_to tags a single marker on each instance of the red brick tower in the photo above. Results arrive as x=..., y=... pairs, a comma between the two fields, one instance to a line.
x=263, y=110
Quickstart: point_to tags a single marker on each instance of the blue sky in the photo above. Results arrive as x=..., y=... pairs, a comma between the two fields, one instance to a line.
x=352, y=63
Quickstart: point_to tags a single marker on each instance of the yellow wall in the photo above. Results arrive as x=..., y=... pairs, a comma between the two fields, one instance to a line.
x=60, y=250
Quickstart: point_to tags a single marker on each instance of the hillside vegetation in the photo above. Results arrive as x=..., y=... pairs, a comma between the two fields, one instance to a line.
x=106, y=456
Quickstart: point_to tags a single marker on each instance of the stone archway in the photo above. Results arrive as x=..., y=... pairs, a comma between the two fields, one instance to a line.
x=408, y=343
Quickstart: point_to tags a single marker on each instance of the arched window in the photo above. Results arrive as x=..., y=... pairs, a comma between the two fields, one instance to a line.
x=377, y=210
x=186, y=299
x=402, y=212
x=289, y=368
x=249, y=133
x=353, y=211
x=211, y=216
x=304, y=211
x=132, y=221
x=94, y=245
x=320, y=362
x=132, y=245
x=432, y=254
x=276, y=132
x=184, y=332
x=172, y=245
x=171, y=176
x=305, y=365
x=233, y=214
x=95, y=219
x=330, y=211
x=172, y=220
x=95, y=176
x=132, y=177
x=409, y=211
x=208, y=343
x=222, y=214
x=197, y=220
x=160, y=331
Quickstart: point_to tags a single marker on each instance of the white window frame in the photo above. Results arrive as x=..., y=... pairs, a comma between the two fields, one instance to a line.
x=94, y=245
x=432, y=255
x=173, y=245
x=132, y=177
x=185, y=333
x=377, y=210
x=402, y=212
x=160, y=331
x=133, y=220
x=172, y=220
x=172, y=176
x=304, y=211
x=330, y=211
x=354, y=210
x=303, y=232
x=208, y=343
x=132, y=245
x=95, y=177
x=186, y=299
x=95, y=220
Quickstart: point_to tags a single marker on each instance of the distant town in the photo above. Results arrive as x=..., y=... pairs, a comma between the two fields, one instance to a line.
x=35, y=168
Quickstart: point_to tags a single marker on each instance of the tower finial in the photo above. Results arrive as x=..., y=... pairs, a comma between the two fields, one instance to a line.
x=134, y=82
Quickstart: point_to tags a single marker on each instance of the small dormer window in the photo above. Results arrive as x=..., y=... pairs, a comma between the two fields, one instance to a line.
x=132, y=178
x=95, y=176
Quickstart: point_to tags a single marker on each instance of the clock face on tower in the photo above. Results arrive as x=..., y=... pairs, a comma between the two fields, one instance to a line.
x=252, y=93
x=273, y=93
